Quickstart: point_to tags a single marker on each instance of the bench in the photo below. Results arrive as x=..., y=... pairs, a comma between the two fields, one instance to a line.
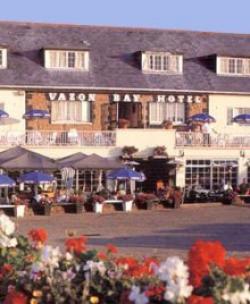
x=113, y=201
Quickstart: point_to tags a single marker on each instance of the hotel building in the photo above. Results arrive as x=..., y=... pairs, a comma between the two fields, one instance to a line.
x=92, y=80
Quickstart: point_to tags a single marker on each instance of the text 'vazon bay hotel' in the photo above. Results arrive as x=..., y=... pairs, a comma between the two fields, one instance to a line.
x=95, y=81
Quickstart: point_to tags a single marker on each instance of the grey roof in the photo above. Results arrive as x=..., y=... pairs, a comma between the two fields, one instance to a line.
x=94, y=161
x=113, y=63
x=21, y=158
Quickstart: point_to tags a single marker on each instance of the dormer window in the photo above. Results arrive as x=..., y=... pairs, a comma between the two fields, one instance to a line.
x=234, y=66
x=67, y=59
x=162, y=63
x=3, y=58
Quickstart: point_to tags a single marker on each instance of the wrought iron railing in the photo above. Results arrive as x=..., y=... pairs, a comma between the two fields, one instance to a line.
x=58, y=138
x=197, y=139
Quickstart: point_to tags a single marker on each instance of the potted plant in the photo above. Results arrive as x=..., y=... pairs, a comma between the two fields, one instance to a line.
x=127, y=202
x=145, y=200
x=98, y=201
x=19, y=207
x=160, y=152
x=77, y=203
x=167, y=124
x=128, y=152
x=123, y=123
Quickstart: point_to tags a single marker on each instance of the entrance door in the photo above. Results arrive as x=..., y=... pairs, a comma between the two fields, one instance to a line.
x=132, y=111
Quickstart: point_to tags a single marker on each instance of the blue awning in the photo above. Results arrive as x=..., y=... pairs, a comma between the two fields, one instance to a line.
x=6, y=181
x=36, y=114
x=126, y=174
x=36, y=178
x=202, y=117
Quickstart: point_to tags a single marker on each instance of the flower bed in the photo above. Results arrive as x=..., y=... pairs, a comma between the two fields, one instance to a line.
x=33, y=272
x=145, y=200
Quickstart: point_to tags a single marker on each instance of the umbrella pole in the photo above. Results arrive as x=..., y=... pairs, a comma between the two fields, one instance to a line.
x=77, y=180
x=91, y=181
x=6, y=194
x=116, y=185
x=36, y=189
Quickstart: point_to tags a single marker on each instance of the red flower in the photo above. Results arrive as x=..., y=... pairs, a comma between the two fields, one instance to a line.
x=111, y=248
x=38, y=235
x=101, y=256
x=15, y=298
x=155, y=291
x=200, y=300
x=235, y=267
x=134, y=268
x=76, y=245
x=202, y=256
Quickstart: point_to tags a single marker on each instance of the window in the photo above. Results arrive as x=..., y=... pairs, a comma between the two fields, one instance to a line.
x=232, y=112
x=233, y=66
x=211, y=174
x=70, y=111
x=158, y=112
x=67, y=59
x=3, y=58
x=161, y=62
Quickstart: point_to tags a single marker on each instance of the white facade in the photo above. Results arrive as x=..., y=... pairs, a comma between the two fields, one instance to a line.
x=13, y=102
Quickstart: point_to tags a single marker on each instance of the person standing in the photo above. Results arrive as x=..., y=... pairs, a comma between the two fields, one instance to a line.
x=206, y=131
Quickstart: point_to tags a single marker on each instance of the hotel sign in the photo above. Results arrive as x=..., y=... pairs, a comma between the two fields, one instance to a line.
x=170, y=98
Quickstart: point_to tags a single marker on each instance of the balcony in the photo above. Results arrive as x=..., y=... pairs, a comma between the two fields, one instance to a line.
x=196, y=139
x=58, y=138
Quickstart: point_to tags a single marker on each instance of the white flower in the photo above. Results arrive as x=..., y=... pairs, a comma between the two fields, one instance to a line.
x=68, y=256
x=175, y=273
x=50, y=256
x=5, y=241
x=137, y=297
x=173, y=268
x=178, y=291
x=6, y=225
x=237, y=297
x=95, y=266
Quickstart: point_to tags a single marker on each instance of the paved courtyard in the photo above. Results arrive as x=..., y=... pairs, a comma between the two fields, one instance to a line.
x=160, y=233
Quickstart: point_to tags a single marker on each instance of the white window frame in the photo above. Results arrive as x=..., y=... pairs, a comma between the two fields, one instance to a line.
x=71, y=121
x=162, y=113
x=233, y=66
x=162, y=63
x=60, y=55
x=3, y=62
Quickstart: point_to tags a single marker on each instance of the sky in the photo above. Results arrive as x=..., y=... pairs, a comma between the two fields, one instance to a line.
x=213, y=15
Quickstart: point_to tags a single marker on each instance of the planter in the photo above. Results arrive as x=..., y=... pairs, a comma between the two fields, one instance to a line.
x=98, y=207
x=41, y=209
x=127, y=206
x=146, y=205
x=79, y=208
x=19, y=211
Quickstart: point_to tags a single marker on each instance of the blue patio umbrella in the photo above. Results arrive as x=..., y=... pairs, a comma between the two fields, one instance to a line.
x=242, y=119
x=3, y=114
x=126, y=174
x=202, y=117
x=36, y=114
x=36, y=178
x=6, y=181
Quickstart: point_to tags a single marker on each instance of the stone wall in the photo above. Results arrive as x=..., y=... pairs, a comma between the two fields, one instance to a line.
x=103, y=113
